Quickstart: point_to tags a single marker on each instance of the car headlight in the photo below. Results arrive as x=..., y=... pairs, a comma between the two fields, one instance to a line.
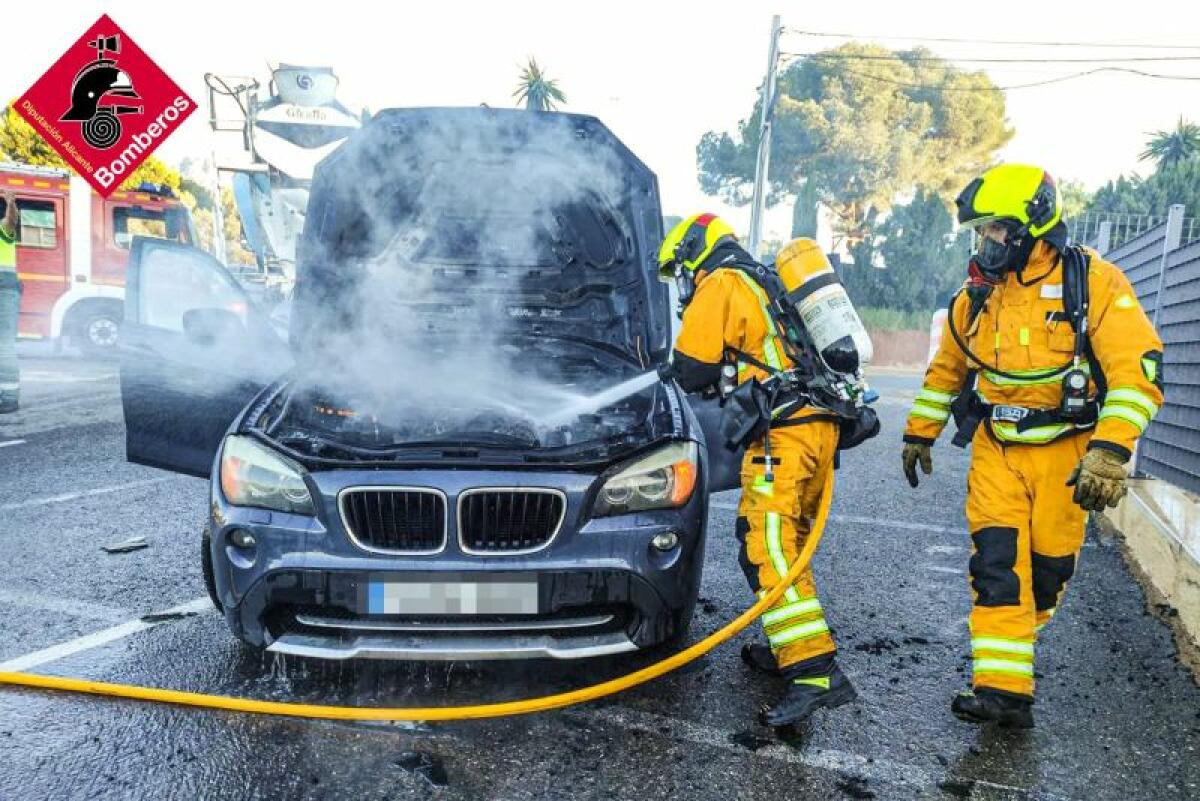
x=252, y=475
x=663, y=480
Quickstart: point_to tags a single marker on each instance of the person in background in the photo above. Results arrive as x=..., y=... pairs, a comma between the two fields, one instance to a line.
x=10, y=305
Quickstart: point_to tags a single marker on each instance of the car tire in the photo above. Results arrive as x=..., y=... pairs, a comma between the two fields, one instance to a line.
x=97, y=332
x=206, y=566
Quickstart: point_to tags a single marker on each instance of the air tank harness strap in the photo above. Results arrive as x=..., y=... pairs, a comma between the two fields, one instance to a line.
x=787, y=401
x=970, y=410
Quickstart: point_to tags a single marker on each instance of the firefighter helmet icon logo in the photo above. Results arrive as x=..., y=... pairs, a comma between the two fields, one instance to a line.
x=99, y=81
x=109, y=127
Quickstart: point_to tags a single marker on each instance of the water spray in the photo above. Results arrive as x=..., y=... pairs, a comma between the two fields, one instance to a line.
x=591, y=403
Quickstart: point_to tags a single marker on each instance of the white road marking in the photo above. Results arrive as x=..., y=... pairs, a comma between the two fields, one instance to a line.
x=46, y=377
x=96, y=639
x=939, y=569
x=71, y=496
x=63, y=606
x=946, y=549
x=12, y=442
x=828, y=759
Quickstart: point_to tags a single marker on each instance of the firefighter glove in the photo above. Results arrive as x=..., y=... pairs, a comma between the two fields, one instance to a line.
x=916, y=452
x=1099, y=480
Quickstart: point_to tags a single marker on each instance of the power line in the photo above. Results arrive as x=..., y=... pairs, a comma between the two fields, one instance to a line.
x=991, y=41
x=908, y=58
x=1059, y=79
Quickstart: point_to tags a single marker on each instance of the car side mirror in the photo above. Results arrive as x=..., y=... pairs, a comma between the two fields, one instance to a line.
x=206, y=326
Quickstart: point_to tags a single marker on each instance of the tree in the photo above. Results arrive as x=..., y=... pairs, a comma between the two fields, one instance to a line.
x=538, y=92
x=1177, y=182
x=19, y=142
x=1168, y=148
x=863, y=125
x=804, y=212
x=914, y=260
x=1075, y=198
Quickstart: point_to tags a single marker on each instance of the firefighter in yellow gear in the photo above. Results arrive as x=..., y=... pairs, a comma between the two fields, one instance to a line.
x=1049, y=353
x=724, y=313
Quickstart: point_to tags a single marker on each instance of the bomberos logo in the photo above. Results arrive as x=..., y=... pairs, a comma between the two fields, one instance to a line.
x=119, y=105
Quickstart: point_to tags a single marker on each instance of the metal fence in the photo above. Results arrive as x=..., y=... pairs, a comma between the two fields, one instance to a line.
x=1164, y=268
x=1110, y=230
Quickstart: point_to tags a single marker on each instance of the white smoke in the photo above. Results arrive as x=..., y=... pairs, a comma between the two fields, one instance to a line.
x=424, y=295
x=452, y=230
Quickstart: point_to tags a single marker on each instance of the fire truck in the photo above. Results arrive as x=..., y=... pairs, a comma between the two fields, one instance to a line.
x=72, y=248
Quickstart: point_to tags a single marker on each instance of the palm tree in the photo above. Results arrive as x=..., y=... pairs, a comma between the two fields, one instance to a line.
x=538, y=92
x=1168, y=148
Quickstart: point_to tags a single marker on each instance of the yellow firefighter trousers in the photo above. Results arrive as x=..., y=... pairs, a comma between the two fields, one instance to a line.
x=1026, y=534
x=774, y=520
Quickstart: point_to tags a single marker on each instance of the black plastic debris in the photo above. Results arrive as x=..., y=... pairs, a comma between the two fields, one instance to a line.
x=162, y=617
x=855, y=787
x=749, y=740
x=427, y=766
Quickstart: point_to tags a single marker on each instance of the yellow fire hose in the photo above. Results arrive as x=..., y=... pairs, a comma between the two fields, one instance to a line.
x=449, y=712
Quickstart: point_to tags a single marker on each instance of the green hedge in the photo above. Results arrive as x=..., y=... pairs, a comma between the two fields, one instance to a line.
x=879, y=319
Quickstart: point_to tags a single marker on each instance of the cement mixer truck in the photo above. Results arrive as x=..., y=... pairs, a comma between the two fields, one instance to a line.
x=282, y=137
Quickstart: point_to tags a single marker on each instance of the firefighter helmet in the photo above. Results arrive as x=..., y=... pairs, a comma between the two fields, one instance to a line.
x=691, y=242
x=99, y=79
x=1017, y=193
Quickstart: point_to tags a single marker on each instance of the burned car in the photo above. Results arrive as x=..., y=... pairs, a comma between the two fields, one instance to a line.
x=460, y=448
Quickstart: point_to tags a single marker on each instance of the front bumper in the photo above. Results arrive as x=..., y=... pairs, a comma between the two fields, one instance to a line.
x=602, y=588
x=581, y=613
x=340, y=639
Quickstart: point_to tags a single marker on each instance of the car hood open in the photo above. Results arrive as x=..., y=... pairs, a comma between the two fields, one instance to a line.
x=480, y=226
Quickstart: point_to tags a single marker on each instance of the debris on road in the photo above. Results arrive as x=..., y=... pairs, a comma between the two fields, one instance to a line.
x=427, y=766
x=131, y=544
x=162, y=617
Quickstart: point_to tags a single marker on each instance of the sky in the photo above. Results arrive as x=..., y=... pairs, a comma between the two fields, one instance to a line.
x=659, y=74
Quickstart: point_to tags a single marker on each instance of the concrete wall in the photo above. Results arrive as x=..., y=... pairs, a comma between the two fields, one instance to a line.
x=1161, y=525
x=899, y=348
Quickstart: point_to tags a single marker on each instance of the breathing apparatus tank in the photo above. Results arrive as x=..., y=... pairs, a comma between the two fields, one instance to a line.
x=816, y=294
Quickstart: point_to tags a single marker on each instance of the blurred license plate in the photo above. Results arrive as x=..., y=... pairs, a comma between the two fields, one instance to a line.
x=452, y=597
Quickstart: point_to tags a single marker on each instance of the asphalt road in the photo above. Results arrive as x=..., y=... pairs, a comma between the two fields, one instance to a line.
x=1118, y=715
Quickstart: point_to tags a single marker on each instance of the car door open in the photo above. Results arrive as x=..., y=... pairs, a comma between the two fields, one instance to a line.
x=194, y=350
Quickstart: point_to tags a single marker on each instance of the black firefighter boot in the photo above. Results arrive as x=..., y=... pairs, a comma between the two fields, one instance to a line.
x=761, y=658
x=805, y=694
x=987, y=705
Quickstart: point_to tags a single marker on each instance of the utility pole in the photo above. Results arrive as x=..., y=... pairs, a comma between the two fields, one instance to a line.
x=764, y=141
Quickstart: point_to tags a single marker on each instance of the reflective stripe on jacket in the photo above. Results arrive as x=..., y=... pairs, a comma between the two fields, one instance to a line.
x=1022, y=330
x=729, y=310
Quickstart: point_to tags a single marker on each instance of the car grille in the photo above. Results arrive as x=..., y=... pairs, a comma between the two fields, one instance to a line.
x=509, y=520
x=396, y=520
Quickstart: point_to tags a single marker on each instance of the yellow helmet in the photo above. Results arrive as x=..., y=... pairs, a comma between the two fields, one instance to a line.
x=1017, y=192
x=691, y=242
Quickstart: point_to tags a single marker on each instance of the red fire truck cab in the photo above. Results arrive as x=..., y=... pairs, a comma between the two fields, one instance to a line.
x=72, y=248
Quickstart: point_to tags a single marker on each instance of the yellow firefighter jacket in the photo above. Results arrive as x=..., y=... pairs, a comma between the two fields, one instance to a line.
x=730, y=311
x=1022, y=329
